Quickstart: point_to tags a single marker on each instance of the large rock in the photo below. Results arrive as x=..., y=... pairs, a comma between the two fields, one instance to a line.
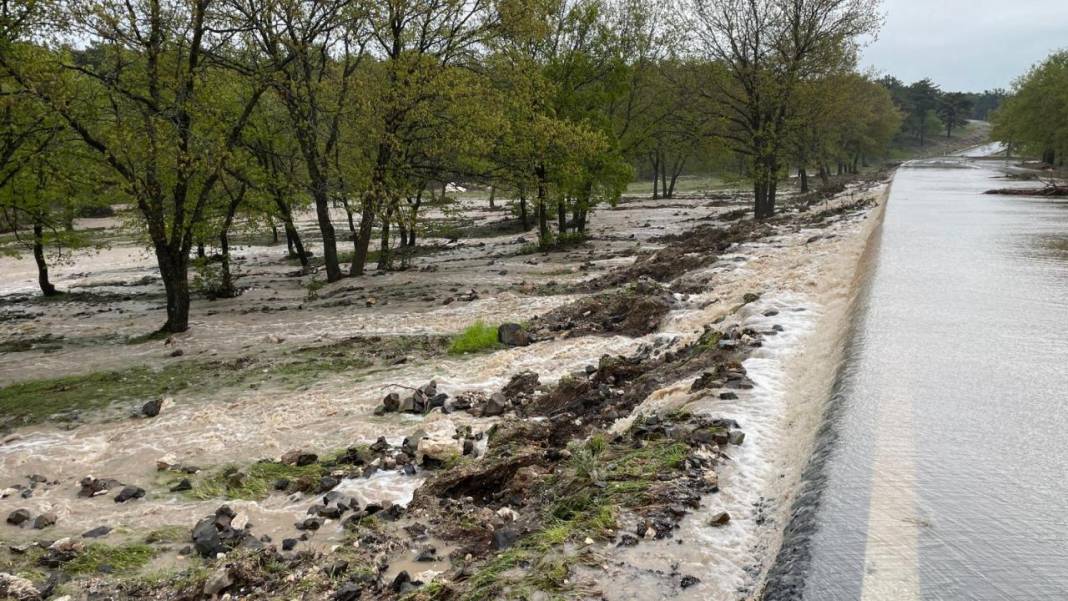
x=512, y=334
x=19, y=517
x=206, y=538
x=45, y=520
x=439, y=449
x=391, y=402
x=495, y=405
x=218, y=582
x=18, y=588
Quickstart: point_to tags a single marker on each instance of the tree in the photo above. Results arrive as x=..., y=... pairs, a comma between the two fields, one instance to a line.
x=313, y=50
x=954, y=110
x=143, y=97
x=768, y=47
x=1034, y=119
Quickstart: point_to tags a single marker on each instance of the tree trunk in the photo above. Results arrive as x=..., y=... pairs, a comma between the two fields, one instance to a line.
x=802, y=174
x=326, y=228
x=676, y=171
x=663, y=177
x=524, y=218
x=561, y=217
x=654, y=158
x=174, y=270
x=493, y=194
x=363, y=237
x=383, y=247
x=47, y=288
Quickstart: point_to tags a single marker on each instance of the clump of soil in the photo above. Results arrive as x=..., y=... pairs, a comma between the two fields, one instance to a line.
x=634, y=310
x=683, y=252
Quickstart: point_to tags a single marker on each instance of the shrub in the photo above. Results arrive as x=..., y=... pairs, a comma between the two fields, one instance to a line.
x=476, y=337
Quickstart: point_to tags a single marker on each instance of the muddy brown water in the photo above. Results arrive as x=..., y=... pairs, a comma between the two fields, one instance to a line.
x=940, y=473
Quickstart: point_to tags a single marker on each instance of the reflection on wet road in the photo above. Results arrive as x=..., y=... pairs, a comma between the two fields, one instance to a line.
x=941, y=474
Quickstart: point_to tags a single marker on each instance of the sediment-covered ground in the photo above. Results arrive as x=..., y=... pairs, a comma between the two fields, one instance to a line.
x=327, y=442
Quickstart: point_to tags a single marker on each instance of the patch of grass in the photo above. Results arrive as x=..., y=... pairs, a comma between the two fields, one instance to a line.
x=253, y=483
x=116, y=558
x=168, y=534
x=36, y=400
x=476, y=337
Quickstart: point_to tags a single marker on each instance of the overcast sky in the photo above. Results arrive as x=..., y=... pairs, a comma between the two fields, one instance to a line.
x=967, y=45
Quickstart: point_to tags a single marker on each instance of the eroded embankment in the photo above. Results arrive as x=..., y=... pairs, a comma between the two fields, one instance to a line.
x=663, y=468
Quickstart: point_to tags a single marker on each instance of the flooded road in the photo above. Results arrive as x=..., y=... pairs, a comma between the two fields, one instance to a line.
x=941, y=471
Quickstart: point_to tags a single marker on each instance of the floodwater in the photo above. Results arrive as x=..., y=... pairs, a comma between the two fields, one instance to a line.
x=940, y=473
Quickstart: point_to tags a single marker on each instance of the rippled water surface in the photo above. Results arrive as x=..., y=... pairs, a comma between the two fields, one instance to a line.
x=942, y=470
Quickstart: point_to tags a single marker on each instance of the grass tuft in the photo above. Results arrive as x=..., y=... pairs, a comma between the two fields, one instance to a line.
x=253, y=483
x=476, y=337
x=118, y=559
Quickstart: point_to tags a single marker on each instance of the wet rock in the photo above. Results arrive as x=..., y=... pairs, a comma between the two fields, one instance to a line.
x=92, y=487
x=504, y=538
x=18, y=588
x=152, y=408
x=380, y=445
x=497, y=404
x=183, y=485
x=45, y=520
x=403, y=583
x=98, y=532
x=298, y=457
x=728, y=396
x=288, y=544
x=688, y=581
x=427, y=554
x=391, y=402
x=206, y=539
x=19, y=517
x=350, y=591
x=310, y=524
x=129, y=493
x=438, y=449
x=512, y=334
x=720, y=519
x=750, y=297
x=522, y=384
x=736, y=437
x=327, y=483
x=218, y=582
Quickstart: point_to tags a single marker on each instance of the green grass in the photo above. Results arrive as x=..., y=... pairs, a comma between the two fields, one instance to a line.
x=256, y=484
x=36, y=400
x=168, y=534
x=118, y=558
x=476, y=337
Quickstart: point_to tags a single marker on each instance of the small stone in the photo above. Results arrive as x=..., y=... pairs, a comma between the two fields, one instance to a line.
x=504, y=538
x=350, y=591
x=736, y=437
x=688, y=581
x=129, y=493
x=97, y=532
x=183, y=485
x=288, y=544
x=44, y=520
x=720, y=519
x=152, y=408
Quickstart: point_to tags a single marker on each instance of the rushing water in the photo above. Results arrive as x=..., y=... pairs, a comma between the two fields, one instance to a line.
x=941, y=471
